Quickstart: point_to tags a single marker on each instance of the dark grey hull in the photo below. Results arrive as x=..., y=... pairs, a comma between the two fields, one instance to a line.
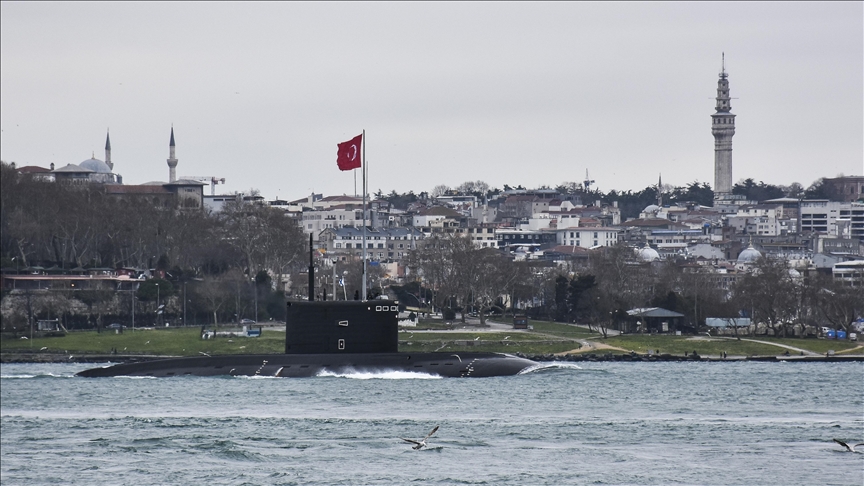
x=461, y=365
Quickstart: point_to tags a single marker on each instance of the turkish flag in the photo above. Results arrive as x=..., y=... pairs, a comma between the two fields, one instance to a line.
x=348, y=155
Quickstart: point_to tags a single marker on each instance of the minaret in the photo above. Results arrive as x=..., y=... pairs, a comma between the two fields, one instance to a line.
x=108, y=152
x=660, y=191
x=723, y=127
x=172, y=160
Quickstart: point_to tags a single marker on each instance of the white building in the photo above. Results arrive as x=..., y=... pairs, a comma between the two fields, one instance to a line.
x=840, y=219
x=588, y=237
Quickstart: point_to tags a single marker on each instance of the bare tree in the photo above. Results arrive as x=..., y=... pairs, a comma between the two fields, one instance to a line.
x=214, y=293
x=836, y=302
x=770, y=293
x=439, y=190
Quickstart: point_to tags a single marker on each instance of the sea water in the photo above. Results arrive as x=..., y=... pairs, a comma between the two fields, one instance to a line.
x=596, y=423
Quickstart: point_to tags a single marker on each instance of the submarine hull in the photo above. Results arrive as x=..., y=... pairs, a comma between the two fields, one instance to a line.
x=450, y=365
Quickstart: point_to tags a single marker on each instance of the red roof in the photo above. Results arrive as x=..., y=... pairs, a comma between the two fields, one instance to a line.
x=33, y=169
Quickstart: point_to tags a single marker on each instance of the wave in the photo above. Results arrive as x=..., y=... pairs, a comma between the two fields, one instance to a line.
x=379, y=375
x=552, y=366
x=39, y=375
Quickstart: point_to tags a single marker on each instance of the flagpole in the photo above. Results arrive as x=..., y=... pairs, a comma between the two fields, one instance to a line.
x=363, y=175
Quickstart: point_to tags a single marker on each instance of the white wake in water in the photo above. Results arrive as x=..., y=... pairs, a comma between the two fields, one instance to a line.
x=380, y=375
x=541, y=367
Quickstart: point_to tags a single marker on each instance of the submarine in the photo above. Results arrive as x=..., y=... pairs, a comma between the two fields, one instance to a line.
x=331, y=337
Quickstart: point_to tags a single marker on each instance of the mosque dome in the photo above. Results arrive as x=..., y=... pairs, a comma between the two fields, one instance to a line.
x=647, y=254
x=651, y=208
x=749, y=255
x=96, y=165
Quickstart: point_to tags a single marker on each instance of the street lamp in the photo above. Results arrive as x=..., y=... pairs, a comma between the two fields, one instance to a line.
x=157, y=304
x=254, y=285
x=133, y=308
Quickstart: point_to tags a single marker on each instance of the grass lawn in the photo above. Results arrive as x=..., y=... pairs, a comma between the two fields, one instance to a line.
x=463, y=341
x=678, y=345
x=562, y=330
x=173, y=342
x=545, y=338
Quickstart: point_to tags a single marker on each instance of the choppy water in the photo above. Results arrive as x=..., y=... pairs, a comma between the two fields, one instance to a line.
x=596, y=423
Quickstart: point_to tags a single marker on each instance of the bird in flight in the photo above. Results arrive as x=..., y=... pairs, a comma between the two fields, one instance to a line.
x=850, y=448
x=420, y=444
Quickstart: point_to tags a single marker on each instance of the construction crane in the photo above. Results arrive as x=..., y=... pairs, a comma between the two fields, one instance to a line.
x=211, y=179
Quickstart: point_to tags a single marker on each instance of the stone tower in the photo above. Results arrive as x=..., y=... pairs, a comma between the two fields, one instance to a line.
x=108, y=152
x=172, y=160
x=723, y=128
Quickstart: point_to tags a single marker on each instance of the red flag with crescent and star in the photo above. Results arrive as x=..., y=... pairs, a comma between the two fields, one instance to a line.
x=348, y=155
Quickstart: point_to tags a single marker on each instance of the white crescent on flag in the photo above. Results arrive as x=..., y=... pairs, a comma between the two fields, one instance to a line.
x=348, y=156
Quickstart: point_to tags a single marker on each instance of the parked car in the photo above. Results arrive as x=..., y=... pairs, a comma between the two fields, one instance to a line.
x=115, y=326
x=247, y=321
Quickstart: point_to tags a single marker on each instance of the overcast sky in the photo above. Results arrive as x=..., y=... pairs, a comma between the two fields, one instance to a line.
x=508, y=93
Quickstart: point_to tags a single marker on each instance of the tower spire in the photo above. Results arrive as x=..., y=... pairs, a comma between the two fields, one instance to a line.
x=723, y=128
x=172, y=160
x=660, y=191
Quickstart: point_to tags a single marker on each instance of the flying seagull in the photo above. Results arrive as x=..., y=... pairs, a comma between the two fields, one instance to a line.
x=421, y=444
x=850, y=448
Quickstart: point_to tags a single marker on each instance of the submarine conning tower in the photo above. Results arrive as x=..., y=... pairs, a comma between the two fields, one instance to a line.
x=333, y=327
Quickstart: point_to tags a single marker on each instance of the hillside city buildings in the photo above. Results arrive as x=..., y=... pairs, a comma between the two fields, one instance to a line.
x=726, y=238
